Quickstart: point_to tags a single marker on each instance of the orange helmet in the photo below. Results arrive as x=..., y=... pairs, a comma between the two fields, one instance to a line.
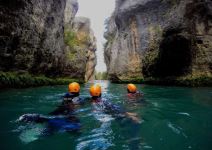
x=74, y=87
x=95, y=90
x=132, y=88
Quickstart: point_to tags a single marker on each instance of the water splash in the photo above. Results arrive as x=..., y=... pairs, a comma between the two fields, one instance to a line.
x=176, y=130
x=30, y=133
x=99, y=138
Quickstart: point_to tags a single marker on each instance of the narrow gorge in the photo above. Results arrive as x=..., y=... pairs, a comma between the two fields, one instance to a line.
x=147, y=41
x=44, y=38
x=106, y=74
x=160, y=42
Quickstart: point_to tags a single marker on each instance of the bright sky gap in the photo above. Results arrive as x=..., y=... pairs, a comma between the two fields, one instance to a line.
x=97, y=11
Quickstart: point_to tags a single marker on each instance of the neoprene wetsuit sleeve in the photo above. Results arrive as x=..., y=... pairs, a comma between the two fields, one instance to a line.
x=33, y=118
x=60, y=110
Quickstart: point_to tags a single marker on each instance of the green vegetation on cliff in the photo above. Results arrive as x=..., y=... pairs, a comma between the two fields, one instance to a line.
x=24, y=80
x=116, y=79
x=70, y=38
x=76, y=43
x=181, y=81
x=189, y=81
x=131, y=80
x=101, y=76
x=73, y=39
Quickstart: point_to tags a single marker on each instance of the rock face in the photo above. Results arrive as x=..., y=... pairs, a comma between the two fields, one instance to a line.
x=159, y=38
x=80, y=49
x=71, y=9
x=32, y=36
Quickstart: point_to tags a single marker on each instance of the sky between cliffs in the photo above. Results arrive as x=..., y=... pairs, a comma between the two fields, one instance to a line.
x=97, y=11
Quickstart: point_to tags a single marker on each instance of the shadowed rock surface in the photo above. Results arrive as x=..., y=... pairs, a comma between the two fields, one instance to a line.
x=32, y=37
x=159, y=39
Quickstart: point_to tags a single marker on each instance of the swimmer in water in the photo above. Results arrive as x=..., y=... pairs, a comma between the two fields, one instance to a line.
x=101, y=104
x=63, y=118
x=133, y=93
x=71, y=100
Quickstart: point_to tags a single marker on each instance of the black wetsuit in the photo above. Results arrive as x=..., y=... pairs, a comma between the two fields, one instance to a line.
x=63, y=118
x=68, y=105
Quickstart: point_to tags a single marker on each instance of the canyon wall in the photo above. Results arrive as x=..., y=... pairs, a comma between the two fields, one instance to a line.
x=32, y=38
x=159, y=39
x=80, y=49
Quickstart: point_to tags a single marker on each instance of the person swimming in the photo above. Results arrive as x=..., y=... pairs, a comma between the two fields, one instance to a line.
x=71, y=100
x=54, y=123
x=63, y=118
x=101, y=104
x=133, y=93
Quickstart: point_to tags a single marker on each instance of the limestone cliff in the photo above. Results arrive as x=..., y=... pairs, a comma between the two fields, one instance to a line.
x=71, y=9
x=159, y=39
x=32, y=37
x=80, y=49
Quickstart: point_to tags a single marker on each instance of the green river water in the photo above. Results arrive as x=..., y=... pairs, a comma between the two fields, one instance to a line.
x=172, y=118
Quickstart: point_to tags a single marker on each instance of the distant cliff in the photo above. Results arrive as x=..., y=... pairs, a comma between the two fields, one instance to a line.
x=159, y=39
x=32, y=39
x=80, y=49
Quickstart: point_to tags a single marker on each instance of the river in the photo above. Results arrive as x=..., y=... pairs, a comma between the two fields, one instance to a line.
x=172, y=118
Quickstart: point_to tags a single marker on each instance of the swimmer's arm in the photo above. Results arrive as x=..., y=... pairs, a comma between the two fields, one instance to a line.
x=133, y=117
x=119, y=110
x=33, y=118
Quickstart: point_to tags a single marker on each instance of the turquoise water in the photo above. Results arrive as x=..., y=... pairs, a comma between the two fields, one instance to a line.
x=172, y=118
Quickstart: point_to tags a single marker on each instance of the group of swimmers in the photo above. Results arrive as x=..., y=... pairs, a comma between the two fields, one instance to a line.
x=64, y=117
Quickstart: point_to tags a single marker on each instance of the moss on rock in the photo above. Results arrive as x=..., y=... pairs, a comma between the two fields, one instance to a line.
x=190, y=81
x=115, y=79
x=24, y=80
x=70, y=38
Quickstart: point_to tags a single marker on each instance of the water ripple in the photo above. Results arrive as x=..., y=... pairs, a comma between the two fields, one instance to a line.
x=184, y=113
x=99, y=138
x=176, y=129
x=94, y=144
